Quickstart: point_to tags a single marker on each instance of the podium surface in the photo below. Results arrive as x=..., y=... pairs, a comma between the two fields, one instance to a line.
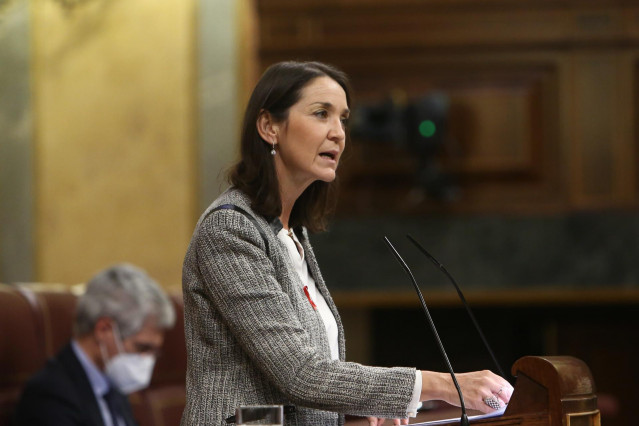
x=549, y=391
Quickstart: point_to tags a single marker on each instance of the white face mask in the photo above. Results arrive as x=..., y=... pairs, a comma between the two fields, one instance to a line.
x=129, y=372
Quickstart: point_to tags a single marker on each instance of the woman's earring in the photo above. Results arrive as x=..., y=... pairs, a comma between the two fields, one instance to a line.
x=273, y=149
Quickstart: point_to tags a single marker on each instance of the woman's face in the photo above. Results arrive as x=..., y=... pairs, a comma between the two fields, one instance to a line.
x=311, y=141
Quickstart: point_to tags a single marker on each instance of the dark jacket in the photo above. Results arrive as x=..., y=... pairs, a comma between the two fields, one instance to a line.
x=61, y=395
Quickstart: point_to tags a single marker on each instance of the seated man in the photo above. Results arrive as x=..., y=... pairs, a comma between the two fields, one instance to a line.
x=119, y=328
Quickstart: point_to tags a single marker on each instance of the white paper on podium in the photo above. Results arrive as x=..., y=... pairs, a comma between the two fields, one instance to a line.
x=457, y=419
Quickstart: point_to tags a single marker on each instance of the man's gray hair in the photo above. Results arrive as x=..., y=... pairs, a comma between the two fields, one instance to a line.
x=126, y=294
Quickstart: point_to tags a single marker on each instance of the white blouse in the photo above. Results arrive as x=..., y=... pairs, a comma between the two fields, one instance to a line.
x=296, y=253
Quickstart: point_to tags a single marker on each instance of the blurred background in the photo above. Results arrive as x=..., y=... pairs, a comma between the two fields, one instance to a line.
x=502, y=135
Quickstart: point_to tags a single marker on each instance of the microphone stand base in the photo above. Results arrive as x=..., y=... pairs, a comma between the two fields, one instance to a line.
x=464, y=420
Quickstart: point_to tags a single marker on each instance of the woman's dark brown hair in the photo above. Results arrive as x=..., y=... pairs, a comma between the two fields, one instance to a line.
x=280, y=88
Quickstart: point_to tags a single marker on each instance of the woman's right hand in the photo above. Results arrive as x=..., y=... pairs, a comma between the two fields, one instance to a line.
x=479, y=389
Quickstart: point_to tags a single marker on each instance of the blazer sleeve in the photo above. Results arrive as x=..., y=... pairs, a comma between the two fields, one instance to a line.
x=240, y=281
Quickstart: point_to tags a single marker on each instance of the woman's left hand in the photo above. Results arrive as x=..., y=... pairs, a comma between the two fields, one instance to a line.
x=376, y=421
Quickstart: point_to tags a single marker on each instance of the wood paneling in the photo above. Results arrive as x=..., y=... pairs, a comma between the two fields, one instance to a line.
x=503, y=140
x=542, y=107
x=633, y=127
x=604, y=155
x=288, y=25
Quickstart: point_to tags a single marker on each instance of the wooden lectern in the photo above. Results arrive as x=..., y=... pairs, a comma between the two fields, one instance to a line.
x=549, y=391
x=554, y=391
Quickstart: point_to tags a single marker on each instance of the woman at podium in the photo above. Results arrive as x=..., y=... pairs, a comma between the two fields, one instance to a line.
x=261, y=326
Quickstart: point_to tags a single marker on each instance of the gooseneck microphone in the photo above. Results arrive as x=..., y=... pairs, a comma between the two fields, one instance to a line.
x=464, y=417
x=462, y=298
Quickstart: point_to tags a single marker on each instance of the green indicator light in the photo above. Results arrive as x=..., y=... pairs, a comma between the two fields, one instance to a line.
x=427, y=128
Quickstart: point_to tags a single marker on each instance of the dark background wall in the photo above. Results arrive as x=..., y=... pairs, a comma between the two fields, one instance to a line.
x=487, y=251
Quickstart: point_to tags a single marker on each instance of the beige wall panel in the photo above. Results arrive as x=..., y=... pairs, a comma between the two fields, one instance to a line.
x=113, y=94
x=247, y=47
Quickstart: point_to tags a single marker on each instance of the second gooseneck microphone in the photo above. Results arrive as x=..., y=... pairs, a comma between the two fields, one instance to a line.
x=464, y=417
x=463, y=299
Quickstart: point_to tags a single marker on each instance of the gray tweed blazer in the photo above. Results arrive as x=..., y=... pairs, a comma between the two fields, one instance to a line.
x=253, y=338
